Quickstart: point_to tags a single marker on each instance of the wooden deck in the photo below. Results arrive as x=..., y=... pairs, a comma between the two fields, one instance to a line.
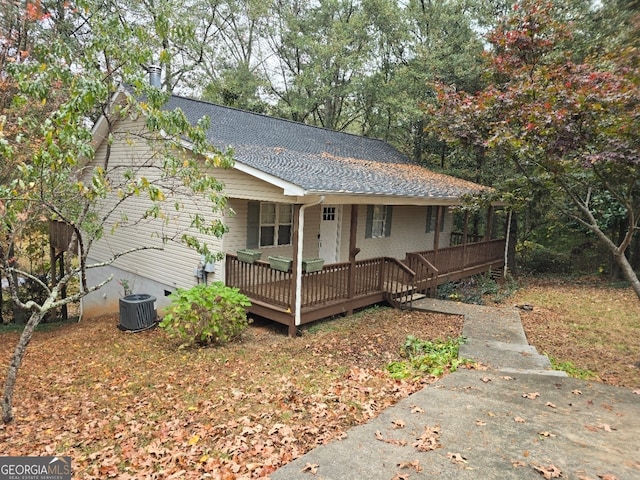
x=343, y=287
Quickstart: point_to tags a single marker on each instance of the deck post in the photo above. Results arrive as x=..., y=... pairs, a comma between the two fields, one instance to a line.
x=488, y=231
x=465, y=236
x=436, y=238
x=293, y=285
x=353, y=251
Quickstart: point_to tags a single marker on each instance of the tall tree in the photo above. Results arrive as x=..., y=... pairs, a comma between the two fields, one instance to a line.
x=570, y=126
x=58, y=92
x=234, y=75
x=321, y=51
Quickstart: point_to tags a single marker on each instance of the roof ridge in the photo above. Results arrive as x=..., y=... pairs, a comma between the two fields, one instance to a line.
x=271, y=117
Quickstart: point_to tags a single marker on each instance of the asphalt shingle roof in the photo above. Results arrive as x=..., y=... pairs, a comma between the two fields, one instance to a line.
x=319, y=160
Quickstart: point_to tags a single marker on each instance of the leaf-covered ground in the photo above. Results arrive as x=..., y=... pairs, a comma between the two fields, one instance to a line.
x=590, y=324
x=126, y=405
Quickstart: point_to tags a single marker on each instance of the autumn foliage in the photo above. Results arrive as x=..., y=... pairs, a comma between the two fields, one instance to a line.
x=569, y=123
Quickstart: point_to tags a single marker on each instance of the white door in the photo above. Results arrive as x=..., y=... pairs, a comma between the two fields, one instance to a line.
x=329, y=237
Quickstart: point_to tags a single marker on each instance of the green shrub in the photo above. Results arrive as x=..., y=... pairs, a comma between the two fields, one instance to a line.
x=211, y=314
x=474, y=290
x=427, y=358
x=536, y=258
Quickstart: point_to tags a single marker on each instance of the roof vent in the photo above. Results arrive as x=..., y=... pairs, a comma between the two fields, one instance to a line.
x=155, y=72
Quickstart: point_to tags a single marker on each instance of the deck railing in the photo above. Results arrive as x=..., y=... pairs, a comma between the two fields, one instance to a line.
x=259, y=281
x=464, y=257
x=419, y=272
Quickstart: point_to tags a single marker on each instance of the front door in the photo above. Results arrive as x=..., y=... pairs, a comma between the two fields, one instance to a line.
x=329, y=238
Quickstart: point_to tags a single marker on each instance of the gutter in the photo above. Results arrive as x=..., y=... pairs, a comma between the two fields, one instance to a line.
x=298, y=299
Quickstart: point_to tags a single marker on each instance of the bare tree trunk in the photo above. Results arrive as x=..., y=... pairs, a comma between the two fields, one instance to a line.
x=1, y=301
x=627, y=271
x=14, y=366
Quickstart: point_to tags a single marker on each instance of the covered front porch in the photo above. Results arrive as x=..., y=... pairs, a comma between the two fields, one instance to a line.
x=295, y=297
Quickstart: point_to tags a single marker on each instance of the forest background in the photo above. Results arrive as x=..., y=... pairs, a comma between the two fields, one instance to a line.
x=378, y=68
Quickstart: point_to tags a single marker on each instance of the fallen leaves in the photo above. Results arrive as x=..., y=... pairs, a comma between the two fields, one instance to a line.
x=429, y=440
x=549, y=471
x=415, y=465
x=398, y=423
x=601, y=426
x=310, y=468
x=456, y=458
x=133, y=406
x=392, y=441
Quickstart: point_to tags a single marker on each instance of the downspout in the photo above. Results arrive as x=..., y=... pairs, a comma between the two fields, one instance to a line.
x=298, y=299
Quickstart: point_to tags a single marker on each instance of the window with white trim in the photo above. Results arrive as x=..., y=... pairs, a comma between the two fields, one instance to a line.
x=378, y=221
x=276, y=224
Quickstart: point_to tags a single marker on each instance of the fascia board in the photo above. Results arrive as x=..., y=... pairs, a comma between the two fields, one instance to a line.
x=288, y=188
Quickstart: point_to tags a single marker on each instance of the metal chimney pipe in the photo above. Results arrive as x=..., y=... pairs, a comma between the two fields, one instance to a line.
x=155, y=73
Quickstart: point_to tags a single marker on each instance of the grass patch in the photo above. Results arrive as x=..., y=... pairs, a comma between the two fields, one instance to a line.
x=425, y=357
x=584, y=321
x=570, y=369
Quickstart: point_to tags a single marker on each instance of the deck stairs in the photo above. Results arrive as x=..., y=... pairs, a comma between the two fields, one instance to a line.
x=402, y=295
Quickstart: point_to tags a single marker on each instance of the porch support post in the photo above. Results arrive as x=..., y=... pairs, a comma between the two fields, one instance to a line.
x=298, y=224
x=465, y=237
x=436, y=238
x=353, y=251
x=506, y=245
x=296, y=274
x=488, y=231
x=465, y=228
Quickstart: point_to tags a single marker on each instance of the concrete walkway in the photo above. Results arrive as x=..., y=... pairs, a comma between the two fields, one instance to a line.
x=515, y=418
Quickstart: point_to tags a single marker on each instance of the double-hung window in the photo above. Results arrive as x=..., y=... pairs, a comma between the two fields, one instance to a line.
x=276, y=224
x=378, y=221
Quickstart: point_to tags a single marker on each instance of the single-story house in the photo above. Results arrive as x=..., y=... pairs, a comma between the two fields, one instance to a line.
x=341, y=221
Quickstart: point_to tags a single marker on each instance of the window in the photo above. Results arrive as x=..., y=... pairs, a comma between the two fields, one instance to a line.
x=276, y=224
x=432, y=215
x=378, y=221
x=328, y=214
